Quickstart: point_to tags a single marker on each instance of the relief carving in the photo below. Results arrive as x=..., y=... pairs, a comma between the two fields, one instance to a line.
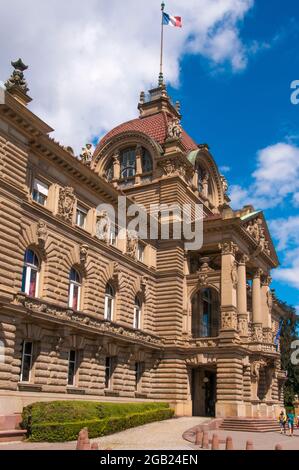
x=66, y=204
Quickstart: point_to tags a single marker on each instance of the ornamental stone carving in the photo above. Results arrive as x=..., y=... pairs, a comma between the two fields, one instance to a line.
x=258, y=336
x=234, y=275
x=103, y=227
x=229, y=321
x=66, y=204
x=86, y=155
x=224, y=183
x=177, y=166
x=228, y=248
x=132, y=244
x=42, y=234
x=174, y=130
x=270, y=300
x=83, y=254
x=257, y=232
x=243, y=325
x=17, y=80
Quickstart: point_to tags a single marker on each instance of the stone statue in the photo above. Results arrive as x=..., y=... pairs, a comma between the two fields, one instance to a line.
x=86, y=155
x=83, y=254
x=42, y=233
x=132, y=243
x=224, y=184
x=66, y=203
x=103, y=228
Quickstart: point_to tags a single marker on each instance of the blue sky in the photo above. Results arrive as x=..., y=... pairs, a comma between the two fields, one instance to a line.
x=231, y=66
x=239, y=114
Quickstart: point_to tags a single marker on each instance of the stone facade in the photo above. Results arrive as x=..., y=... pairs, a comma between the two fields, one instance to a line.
x=95, y=316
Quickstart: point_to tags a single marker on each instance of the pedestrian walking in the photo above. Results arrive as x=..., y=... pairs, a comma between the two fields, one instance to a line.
x=282, y=422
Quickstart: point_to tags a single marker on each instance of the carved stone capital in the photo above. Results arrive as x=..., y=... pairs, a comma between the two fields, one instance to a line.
x=258, y=273
x=266, y=280
x=228, y=248
x=243, y=260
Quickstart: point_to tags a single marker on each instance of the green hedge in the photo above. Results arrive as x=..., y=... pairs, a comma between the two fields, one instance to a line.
x=62, y=421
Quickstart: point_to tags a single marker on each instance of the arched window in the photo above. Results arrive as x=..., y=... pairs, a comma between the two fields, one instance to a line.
x=147, y=164
x=128, y=163
x=75, y=290
x=109, y=303
x=201, y=175
x=30, y=274
x=137, y=313
x=110, y=172
x=205, y=314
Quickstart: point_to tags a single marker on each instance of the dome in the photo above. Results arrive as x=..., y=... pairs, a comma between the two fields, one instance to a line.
x=154, y=126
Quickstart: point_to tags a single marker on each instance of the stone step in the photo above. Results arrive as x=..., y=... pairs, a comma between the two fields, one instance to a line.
x=10, y=422
x=250, y=425
x=12, y=435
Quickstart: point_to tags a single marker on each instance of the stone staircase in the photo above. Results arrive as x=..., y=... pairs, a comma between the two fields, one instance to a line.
x=10, y=428
x=250, y=425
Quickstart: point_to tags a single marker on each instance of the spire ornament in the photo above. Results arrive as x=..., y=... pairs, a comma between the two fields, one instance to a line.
x=16, y=85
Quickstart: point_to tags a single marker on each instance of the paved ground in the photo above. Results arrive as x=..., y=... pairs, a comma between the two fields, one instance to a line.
x=167, y=435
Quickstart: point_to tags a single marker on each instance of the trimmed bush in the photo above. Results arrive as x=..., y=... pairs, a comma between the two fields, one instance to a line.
x=62, y=421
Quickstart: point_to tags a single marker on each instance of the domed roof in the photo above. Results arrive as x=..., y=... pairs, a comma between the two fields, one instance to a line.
x=154, y=126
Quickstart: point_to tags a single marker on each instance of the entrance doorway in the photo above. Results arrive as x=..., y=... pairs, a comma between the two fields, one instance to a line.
x=203, y=391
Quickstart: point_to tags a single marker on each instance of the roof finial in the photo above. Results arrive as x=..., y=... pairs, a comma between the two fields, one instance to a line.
x=16, y=85
x=161, y=78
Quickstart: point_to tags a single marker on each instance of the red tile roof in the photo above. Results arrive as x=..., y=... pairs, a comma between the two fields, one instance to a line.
x=155, y=126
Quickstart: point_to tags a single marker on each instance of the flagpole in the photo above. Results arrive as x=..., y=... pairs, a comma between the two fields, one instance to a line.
x=161, y=78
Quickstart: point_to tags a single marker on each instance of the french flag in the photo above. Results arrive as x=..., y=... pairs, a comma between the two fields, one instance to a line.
x=175, y=21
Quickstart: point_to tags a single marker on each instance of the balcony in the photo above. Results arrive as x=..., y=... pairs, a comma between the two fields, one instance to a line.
x=41, y=310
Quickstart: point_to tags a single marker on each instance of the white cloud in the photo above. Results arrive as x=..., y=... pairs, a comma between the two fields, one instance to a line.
x=224, y=169
x=89, y=60
x=276, y=177
x=286, y=232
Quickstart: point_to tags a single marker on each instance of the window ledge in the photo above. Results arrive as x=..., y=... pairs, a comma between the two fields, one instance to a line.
x=75, y=391
x=111, y=393
x=27, y=387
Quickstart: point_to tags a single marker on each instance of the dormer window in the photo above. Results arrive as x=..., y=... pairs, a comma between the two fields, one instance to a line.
x=133, y=163
x=128, y=163
x=147, y=164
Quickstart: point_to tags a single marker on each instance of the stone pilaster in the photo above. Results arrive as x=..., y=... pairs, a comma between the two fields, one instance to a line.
x=242, y=297
x=257, y=307
x=229, y=281
x=230, y=386
x=116, y=167
x=138, y=164
x=266, y=306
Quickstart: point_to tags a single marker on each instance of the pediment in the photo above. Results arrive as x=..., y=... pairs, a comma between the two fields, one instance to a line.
x=257, y=229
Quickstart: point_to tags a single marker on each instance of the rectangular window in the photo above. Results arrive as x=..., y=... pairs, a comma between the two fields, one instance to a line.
x=109, y=307
x=140, y=252
x=40, y=192
x=138, y=375
x=109, y=368
x=81, y=217
x=72, y=368
x=26, y=364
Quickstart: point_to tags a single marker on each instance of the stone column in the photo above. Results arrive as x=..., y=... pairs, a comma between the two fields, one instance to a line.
x=116, y=167
x=242, y=297
x=138, y=164
x=257, y=306
x=266, y=306
x=229, y=281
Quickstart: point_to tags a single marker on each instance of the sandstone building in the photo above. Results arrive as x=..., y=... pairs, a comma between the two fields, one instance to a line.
x=96, y=316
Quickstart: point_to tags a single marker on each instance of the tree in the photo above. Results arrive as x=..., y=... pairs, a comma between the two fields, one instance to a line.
x=288, y=335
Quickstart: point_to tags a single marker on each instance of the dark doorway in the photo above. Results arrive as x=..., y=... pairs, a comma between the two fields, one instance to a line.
x=203, y=392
